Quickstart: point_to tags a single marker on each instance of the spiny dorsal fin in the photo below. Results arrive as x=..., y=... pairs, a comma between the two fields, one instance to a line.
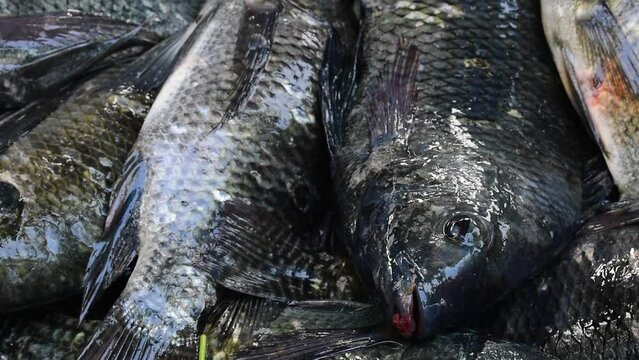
x=392, y=96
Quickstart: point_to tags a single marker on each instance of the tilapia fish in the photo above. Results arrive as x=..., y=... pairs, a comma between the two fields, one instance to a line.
x=333, y=329
x=55, y=181
x=164, y=17
x=456, y=160
x=595, y=45
x=222, y=186
x=40, y=54
x=587, y=305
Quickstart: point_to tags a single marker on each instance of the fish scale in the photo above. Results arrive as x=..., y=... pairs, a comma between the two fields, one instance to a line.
x=484, y=136
x=164, y=17
x=64, y=188
x=585, y=305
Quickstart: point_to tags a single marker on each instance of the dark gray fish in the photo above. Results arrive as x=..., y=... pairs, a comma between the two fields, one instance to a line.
x=587, y=305
x=458, y=168
x=40, y=54
x=55, y=181
x=43, y=335
x=165, y=17
x=342, y=330
x=596, y=48
x=223, y=181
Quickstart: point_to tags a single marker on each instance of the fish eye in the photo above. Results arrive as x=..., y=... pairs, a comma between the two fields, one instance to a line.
x=462, y=230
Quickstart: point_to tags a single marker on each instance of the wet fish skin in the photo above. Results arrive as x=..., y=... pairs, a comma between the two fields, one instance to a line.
x=328, y=329
x=595, y=45
x=41, y=54
x=165, y=17
x=56, y=180
x=224, y=168
x=458, y=169
x=586, y=305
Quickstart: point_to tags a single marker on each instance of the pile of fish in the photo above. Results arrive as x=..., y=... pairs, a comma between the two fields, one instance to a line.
x=310, y=179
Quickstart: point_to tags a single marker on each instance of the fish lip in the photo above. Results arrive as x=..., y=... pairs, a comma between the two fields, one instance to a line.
x=406, y=316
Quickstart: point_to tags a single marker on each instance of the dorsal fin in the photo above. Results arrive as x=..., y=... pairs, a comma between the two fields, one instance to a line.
x=392, y=95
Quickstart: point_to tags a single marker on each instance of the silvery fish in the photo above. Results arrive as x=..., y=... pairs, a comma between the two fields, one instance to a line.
x=55, y=181
x=165, y=17
x=222, y=186
x=456, y=158
x=595, y=45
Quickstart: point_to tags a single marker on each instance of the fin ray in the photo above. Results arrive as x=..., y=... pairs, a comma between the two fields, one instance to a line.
x=391, y=98
x=337, y=87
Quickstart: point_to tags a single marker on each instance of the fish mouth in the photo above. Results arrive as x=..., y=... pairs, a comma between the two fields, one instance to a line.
x=406, y=317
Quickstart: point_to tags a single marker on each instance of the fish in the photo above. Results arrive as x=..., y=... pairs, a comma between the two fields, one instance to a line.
x=455, y=156
x=40, y=54
x=340, y=330
x=221, y=189
x=43, y=334
x=595, y=45
x=586, y=305
x=164, y=17
x=56, y=179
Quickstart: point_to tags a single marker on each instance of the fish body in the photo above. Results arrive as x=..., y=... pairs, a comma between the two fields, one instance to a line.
x=457, y=169
x=586, y=305
x=595, y=45
x=41, y=54
x=337, y=330
x=164, y=17
x=222, y=180
x=55, y=183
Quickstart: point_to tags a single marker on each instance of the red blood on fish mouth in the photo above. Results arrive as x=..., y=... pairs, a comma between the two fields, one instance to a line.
x=405, y=325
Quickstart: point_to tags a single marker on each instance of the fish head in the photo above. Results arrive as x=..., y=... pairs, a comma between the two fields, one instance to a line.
x=442, y=247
